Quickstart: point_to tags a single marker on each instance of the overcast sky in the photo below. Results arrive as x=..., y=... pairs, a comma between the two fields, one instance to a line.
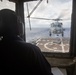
x=52, y=9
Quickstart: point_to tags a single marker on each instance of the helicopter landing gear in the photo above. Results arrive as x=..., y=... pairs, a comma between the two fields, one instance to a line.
x=49, y=33
x=57, y=35
x=62, y=34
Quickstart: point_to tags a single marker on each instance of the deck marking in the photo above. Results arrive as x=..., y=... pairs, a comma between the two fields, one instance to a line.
x=45, y=45
x=48, y=45
x=38, y=40
x=37, y=44
x=62, y=45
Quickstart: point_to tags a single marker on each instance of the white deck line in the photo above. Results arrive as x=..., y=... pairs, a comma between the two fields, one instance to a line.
x=62, y=45
x=37, y=44
x=45, y=46
x=38, y=40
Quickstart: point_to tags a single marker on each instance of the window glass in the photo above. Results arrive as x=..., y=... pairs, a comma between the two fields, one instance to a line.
x=49, y=24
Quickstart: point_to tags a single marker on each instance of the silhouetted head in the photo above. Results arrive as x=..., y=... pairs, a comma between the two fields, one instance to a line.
x=9, y=23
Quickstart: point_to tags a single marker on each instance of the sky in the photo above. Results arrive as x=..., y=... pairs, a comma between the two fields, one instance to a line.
x=52, y=10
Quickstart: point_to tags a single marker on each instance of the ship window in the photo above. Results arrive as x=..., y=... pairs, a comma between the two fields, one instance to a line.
x=38, y=20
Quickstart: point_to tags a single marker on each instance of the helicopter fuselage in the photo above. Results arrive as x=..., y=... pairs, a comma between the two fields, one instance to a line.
x=56, y=28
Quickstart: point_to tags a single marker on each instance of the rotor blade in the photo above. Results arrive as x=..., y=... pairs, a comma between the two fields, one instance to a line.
x=29, y=17
x=40, y=18
x=47, y=19
x=34, y=8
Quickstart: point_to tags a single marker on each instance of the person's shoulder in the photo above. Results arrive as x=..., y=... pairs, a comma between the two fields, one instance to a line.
x=29, y=49
x=26, y=45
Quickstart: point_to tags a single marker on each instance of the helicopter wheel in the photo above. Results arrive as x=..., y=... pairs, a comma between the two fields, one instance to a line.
x=62, y=34
x=50, y=34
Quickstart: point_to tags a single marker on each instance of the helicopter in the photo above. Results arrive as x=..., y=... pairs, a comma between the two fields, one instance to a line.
x=56, y=28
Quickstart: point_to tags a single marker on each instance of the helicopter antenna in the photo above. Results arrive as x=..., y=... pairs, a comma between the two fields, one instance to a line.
x=29, y=16
x=56, y=19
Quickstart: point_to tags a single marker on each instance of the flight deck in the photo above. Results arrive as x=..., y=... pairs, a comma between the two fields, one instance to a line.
x=53, y=44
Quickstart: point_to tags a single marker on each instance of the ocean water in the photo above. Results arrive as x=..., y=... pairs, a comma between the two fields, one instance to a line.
x=36, y=33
